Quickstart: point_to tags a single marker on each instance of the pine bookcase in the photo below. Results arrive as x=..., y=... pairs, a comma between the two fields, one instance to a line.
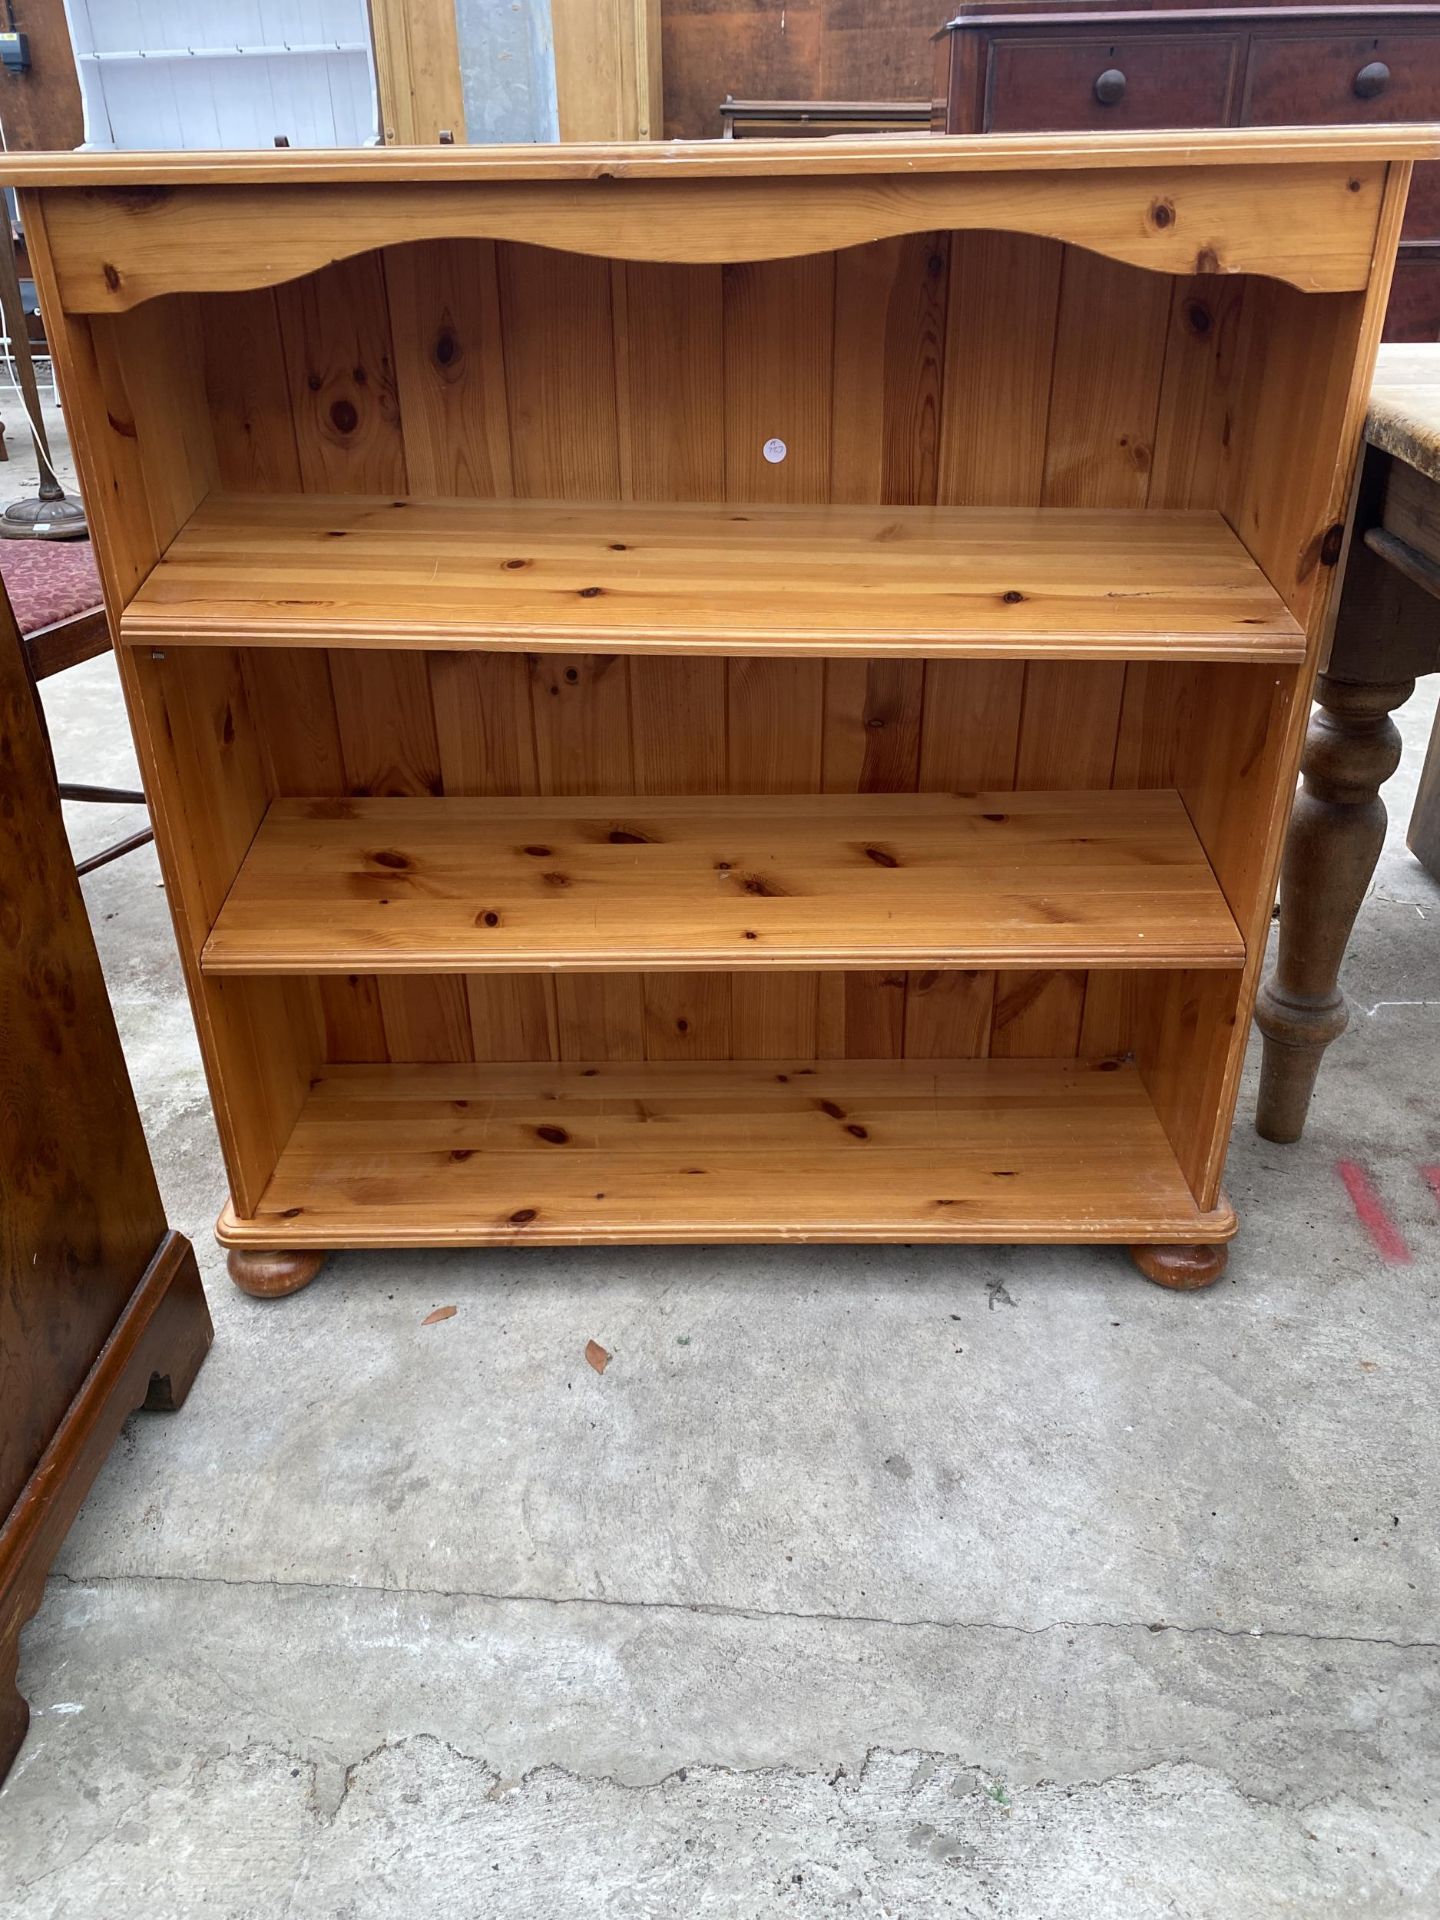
x=721, y=693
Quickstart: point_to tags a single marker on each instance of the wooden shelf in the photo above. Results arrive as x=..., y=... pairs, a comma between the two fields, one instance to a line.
x=290, y=570
x=732, y=1151
x=1104, y=879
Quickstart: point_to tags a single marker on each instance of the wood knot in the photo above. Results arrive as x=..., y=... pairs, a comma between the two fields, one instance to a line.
x=537, y=853
x=591, y=593
x=343, y=416
x=860, y=1133
x=555, y=879
x=522, y=1216
x=556, y=1136
x=764, y=889
x=1207, y=261
x=487, y=919
x=447, y=348
x=1162, y=214
x=881, y=857
x=511, y=565
x=1330, y=545
x=138, y=199
x=835, y=1112
x=112, y=277
x=1198, y=318
x=462, y=1153
x=388, y=857
x=629, y=837
x=1013, y=598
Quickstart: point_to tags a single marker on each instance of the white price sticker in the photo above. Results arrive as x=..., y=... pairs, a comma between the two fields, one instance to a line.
x=774, y=451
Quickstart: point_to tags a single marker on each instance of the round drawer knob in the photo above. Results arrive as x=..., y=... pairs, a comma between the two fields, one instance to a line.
x=1371, y=80
x=1110, y=87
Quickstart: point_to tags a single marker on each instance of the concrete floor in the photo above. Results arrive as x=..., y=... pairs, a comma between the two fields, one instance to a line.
x=894, y=1582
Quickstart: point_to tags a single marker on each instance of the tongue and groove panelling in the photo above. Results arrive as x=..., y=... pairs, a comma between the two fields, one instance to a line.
x=892, y=373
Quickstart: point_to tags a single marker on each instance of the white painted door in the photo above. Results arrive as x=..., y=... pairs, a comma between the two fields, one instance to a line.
x=225, y=73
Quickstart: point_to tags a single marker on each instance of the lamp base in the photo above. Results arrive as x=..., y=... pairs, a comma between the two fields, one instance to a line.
x=37, y=519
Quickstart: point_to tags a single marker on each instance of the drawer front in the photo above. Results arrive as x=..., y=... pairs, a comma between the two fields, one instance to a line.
x=1142, y=80
x=1422, y=209
x=1414, y=310
x=1332, y=79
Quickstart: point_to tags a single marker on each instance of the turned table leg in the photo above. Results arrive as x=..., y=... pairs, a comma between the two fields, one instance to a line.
x=1182, y=1269
x=1336, y=835
x=270, y=1274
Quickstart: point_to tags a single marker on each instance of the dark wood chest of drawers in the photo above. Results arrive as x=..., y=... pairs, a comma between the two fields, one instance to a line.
x=1033, y=66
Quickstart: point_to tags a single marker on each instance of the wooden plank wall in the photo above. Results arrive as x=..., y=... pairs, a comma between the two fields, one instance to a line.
x=892, y=373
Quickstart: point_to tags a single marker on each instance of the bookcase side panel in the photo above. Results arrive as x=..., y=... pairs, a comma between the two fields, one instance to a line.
x=1285, y=487
x=135, y=403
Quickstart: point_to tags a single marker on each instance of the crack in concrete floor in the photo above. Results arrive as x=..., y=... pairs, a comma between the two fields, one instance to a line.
x=716, y=1610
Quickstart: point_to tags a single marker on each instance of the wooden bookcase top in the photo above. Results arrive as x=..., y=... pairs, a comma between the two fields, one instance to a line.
x=836, y=157
x=1298, y=204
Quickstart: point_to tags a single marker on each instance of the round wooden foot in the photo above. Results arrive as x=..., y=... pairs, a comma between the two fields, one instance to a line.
x=1182, y=1269
x=269, y=1275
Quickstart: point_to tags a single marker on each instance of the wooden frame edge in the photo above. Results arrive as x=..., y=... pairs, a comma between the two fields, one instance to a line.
x=150, y=1358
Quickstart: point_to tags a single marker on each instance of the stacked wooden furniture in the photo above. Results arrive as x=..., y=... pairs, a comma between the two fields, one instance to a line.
x=101, y=1309
x=747, y=693
x=1066, y=65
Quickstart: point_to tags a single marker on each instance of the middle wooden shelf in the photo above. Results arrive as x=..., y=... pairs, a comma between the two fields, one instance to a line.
x=647, y=577
x=450, y=885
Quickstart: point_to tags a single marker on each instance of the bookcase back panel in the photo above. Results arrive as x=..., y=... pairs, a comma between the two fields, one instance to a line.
x=974, y=368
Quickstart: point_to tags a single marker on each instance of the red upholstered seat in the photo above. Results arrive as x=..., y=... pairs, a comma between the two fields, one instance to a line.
x=49, y=580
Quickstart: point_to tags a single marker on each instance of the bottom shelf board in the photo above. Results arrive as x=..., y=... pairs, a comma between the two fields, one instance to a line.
x=634, y=1152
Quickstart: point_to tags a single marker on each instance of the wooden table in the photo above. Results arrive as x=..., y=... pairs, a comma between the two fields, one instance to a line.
x=1387, y=633
x=732, y=692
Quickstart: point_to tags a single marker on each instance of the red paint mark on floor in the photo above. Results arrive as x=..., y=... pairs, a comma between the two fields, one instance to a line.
x=1370, y=1211
x=1431, y=1177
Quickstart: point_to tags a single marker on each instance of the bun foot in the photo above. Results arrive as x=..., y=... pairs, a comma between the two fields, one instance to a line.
x=269, y=1275
x=1182, y=1269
